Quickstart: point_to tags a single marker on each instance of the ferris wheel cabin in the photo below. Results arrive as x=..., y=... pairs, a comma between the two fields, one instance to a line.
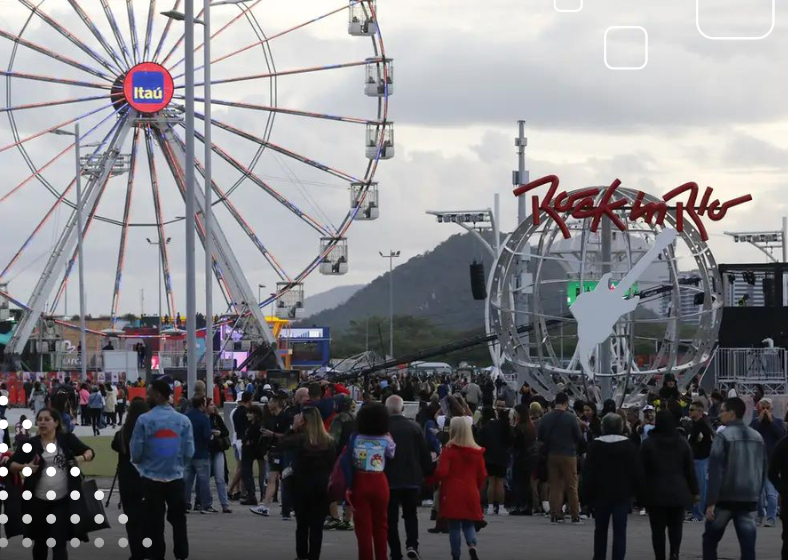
x=363, y=22
x=335, y=261
x=386, y=147
x=290, y=304
x=380, y=77
x=369, y=207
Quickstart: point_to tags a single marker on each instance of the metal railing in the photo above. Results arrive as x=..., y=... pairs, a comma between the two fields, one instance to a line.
x=744, y=368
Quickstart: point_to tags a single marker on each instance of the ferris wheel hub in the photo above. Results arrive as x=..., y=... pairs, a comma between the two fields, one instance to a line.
x=148, y=88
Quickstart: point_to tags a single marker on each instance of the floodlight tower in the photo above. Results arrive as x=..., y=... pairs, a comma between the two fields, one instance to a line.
x=767, y=241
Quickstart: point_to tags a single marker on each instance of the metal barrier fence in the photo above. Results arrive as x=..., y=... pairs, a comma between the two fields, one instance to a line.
x=744, y=368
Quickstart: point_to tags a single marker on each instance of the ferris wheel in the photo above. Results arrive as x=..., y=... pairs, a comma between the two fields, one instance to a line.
x=289, y=84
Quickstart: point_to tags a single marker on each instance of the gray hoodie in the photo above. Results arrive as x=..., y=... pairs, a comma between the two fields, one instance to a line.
x=737, y=466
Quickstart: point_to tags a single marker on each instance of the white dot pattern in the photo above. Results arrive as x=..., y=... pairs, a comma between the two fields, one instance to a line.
x=74, y=519
x=51, y=519
x=3, y=542
x=27, y=448
x=51, y=495
x=27, y=424
x=3, y=495
x=99, y=519
x=3, y=448
x=3, y=424
x=123, y=543
x=51, y=447
x=26, y=472
x=3, y=519
x=27, y=543
x=51, y=543
x=51, y=471
x=123, y=519
x=75, y=471
x=3, y=472
x=26, y=519
x=3, y=401
x=75, y=543
x=26, y=495
x=147, y=543
x=99, y=542
x=75, y=495
x=99, y=495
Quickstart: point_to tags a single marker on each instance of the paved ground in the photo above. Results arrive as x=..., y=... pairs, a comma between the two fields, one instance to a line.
x=244, y=535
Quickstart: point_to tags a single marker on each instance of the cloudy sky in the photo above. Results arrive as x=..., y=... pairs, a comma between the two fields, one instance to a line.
x=704, y=110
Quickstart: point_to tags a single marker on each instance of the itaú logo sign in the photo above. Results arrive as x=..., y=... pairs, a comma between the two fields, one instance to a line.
x=148, y=88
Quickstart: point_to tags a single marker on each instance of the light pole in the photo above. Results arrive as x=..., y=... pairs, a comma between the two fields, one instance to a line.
x=191, y=293
x=391, y=256
x=80, y=264
x=157, y=244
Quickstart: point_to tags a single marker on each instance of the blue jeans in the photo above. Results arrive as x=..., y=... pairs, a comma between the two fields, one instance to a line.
x=217, y=471
x=702, y=472
x=602, y=515
x=743, y=523
x=201, y=470
x=767, y=505
x=457, y=526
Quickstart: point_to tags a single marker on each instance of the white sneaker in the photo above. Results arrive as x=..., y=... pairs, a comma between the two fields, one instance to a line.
x=490, y=510
x=546, y=507
x=427, y=503
x=260, y=510
x=643, y=511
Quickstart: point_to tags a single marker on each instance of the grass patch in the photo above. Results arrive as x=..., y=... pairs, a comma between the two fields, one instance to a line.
x=106, y=460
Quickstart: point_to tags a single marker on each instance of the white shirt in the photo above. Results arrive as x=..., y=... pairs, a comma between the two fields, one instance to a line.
x=57, y=483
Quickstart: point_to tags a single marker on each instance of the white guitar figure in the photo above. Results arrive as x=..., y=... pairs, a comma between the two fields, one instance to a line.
x=598, y=311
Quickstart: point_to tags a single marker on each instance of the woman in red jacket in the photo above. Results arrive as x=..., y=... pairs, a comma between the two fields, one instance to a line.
x=461, y=473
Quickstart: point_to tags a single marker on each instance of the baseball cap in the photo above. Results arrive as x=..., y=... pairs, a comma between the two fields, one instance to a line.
x=266, y=387
x=264, y=400
x=648, y=407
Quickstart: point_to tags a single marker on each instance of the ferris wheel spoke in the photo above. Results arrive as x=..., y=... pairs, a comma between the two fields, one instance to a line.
x=61, y=125
x=113, y=23
x=272, y=37
x=248, y=230
x=244, y=11
x=135, y=44
x=68, y=35
x=50, y=79
x=160, y=225
x=320, y=228
x=164, y=34
x=178, y=43
x=180, y=182
x=284, y=151
x=149, y=30
x=124, y=232
x=283, y=73
x=53, y=55
x=53, y=103
x=38, y=171
x=97, y=34
x=37, y=229
x=269, y=109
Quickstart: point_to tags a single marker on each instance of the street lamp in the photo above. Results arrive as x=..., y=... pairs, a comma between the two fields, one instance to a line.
x=391, y=256
x=157, y=244
x=80, y=265
x=191, y=295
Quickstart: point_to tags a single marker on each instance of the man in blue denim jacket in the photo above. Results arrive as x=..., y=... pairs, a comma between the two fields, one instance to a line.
x=161, y=444
x=737, y=473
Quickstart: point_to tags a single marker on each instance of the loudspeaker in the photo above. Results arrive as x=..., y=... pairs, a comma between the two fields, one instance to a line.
x=768, y=291
x=478, y=281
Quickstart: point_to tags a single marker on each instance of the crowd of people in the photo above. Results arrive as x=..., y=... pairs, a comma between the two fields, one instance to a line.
x=345, y=457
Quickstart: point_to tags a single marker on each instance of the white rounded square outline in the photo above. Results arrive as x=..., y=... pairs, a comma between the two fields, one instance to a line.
x=645, y=33
x=557, y=9
x=712, y=38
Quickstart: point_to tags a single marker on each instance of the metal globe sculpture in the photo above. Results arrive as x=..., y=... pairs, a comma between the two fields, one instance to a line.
x=670, y=295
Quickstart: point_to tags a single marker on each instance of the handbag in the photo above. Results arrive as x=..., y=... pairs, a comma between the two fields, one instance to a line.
x=223, y=443
x=89, y=508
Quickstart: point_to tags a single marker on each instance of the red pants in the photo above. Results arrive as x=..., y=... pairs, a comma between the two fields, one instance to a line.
x=371, y=502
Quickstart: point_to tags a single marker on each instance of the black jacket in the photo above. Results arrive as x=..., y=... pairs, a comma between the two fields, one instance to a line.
x=412, y=461
x=778, y=467
x=668, y=471
x=524, y=449
x=700, y=439
x=611, y=472
x=496, y=438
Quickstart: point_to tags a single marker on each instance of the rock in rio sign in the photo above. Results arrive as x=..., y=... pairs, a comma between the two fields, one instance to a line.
x=581, y=204
x=148, y=88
